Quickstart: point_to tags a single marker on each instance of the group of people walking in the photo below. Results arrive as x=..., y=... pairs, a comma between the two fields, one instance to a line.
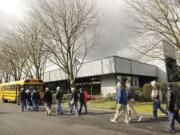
x=124, y=103
x=173, y=103
x=73, y=101
x=26, y=99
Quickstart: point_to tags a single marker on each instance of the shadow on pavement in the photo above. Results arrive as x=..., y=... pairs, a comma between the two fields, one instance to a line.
x=4, y=113
x=99, y=113
x=162, y=119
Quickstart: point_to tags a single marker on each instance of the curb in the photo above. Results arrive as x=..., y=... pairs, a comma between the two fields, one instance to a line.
x=108, y=110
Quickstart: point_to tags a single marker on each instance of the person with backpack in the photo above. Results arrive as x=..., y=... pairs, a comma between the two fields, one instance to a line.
x=173, y=106
x=48, y=101
x=22, y=99
x=122, y=100
x=35, y=100
x=59, y=96
x=130, y=106
x=156, y=96
x=74, y=101
x=83, y=98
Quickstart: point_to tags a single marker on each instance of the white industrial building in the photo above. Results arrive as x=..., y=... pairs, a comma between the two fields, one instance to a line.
x=100, y=76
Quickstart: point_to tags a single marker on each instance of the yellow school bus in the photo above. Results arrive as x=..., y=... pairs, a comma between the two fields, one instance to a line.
x=10, y=91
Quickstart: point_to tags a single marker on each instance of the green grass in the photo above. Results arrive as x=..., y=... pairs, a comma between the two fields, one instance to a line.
x=102, y=104
x=145, y=107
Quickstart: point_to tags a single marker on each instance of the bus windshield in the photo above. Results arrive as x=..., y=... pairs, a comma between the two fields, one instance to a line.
x=31, y=87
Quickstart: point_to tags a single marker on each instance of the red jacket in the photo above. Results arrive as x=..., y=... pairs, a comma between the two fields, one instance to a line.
x=86, y=96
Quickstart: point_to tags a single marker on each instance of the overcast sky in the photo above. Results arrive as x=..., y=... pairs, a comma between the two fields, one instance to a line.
x=116, y=37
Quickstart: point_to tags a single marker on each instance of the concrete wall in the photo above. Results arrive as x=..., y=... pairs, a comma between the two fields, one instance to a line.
x=108, y=84
x=162, y=70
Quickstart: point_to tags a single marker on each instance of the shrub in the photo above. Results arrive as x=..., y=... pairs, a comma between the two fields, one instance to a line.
x=138, y=94
x=113, y=95
x=147, y=88
x=175, y=84
x=66, y=97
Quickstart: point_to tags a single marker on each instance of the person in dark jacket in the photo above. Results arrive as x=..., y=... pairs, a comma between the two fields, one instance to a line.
x=172, y=107
x=48, y=101
x=28, y=99
x=35, y=100
x=122, y=100
x=59, y=96
x=22, y=99
x=82, y=100
x=74, y=101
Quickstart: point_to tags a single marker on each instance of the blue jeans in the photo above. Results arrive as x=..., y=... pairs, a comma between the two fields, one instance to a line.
x=156, y=106
x=59, y=108
x=22, y=105
x=172, y=117
x=76, y=107
x=35, y=105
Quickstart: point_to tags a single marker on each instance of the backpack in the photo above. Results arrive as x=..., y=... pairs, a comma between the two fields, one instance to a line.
x=124, y=96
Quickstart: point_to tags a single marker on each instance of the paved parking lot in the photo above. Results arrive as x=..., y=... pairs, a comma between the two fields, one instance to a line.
x=95, y=123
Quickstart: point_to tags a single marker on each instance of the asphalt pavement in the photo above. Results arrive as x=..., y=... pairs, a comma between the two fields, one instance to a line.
x=14, y=122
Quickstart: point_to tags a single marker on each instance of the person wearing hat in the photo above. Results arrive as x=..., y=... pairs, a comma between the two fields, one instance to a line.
x=74, y=101
x=48, y=101
x=22, y=99
x=156, y=96
x=59, y=96
x=122, y=100
x=173, y=107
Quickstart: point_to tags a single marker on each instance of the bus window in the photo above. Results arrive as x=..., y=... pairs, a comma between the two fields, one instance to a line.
x=39, y=87
x=31, y=87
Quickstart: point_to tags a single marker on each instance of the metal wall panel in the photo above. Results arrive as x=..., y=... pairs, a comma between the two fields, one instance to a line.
x=107, y=66
x=90, y=69
x=122, y=65
x=143, y=69
x=56, y=75
x=46, y=77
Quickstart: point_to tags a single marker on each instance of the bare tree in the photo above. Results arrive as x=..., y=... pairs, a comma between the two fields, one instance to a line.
x=69, y=32
x=13, y=56
x=30, y=36
x=158, y=21
x=158, y=18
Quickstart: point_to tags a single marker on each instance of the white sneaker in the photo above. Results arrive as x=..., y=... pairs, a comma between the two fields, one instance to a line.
x=112, y=120
x=140, y=119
